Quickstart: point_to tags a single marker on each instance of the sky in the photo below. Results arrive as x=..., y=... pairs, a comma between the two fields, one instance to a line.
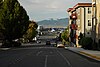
x=46, y=9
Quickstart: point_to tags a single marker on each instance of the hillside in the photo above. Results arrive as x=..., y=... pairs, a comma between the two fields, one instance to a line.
x=54, y=23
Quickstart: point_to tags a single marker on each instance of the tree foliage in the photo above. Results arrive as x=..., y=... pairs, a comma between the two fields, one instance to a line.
x=13, y=20
x=1, y=5
x=1, y=2
x=31, y=32
x=65, y=35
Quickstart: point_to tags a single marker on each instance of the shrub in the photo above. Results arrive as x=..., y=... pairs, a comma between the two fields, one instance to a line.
x=16, y=44
x=11, y=44
x=80, y=37
x=86, y=42
x=95, y=46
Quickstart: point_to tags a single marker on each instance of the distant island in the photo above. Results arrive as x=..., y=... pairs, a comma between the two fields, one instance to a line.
x=63, y=22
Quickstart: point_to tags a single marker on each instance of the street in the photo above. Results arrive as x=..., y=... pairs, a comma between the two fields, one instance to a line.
x=43, y=57
x=36, y=33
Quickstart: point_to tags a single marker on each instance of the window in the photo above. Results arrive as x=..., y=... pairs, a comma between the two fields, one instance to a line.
x=89, y=10
x=88, y=32
x=89, y=22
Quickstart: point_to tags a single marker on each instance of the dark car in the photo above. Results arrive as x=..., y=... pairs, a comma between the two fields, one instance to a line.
x=48, y=42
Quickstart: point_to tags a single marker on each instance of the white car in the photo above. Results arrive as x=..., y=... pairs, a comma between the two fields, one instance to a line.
x=60, y=45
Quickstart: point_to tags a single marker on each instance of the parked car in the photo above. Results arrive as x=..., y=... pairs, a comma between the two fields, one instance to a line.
x=48, y=42
x=38, y=41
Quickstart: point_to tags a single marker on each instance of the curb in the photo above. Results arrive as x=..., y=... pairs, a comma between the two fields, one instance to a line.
x=89, y=55
x=86, y=55
x=4, y=49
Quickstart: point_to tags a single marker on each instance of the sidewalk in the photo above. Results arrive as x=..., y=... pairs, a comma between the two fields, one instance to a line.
x=95, y=55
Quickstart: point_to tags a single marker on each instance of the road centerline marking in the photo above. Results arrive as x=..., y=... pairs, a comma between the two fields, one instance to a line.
x=46, y=59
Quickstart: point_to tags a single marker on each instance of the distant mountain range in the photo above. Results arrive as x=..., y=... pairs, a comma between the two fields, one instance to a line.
x=63, y=22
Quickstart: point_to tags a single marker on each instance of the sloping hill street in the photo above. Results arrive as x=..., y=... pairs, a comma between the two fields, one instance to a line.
x=41, y=55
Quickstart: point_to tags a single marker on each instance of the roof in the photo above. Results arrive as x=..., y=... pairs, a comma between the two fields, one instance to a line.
x=83, y=5
x=69, y=9
x=80, y=5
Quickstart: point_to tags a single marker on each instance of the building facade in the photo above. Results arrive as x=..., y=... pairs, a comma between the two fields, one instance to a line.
x=83, y=22
x=96, y=20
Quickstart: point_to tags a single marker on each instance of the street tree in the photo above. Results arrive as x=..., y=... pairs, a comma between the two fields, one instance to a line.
x=1, y=8
x=13, y=19
x=65, y=35
x=31, y=32
x=1, y=2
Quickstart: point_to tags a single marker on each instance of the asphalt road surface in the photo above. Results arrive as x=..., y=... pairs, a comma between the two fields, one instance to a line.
x=40, y=55
x=43, y=57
